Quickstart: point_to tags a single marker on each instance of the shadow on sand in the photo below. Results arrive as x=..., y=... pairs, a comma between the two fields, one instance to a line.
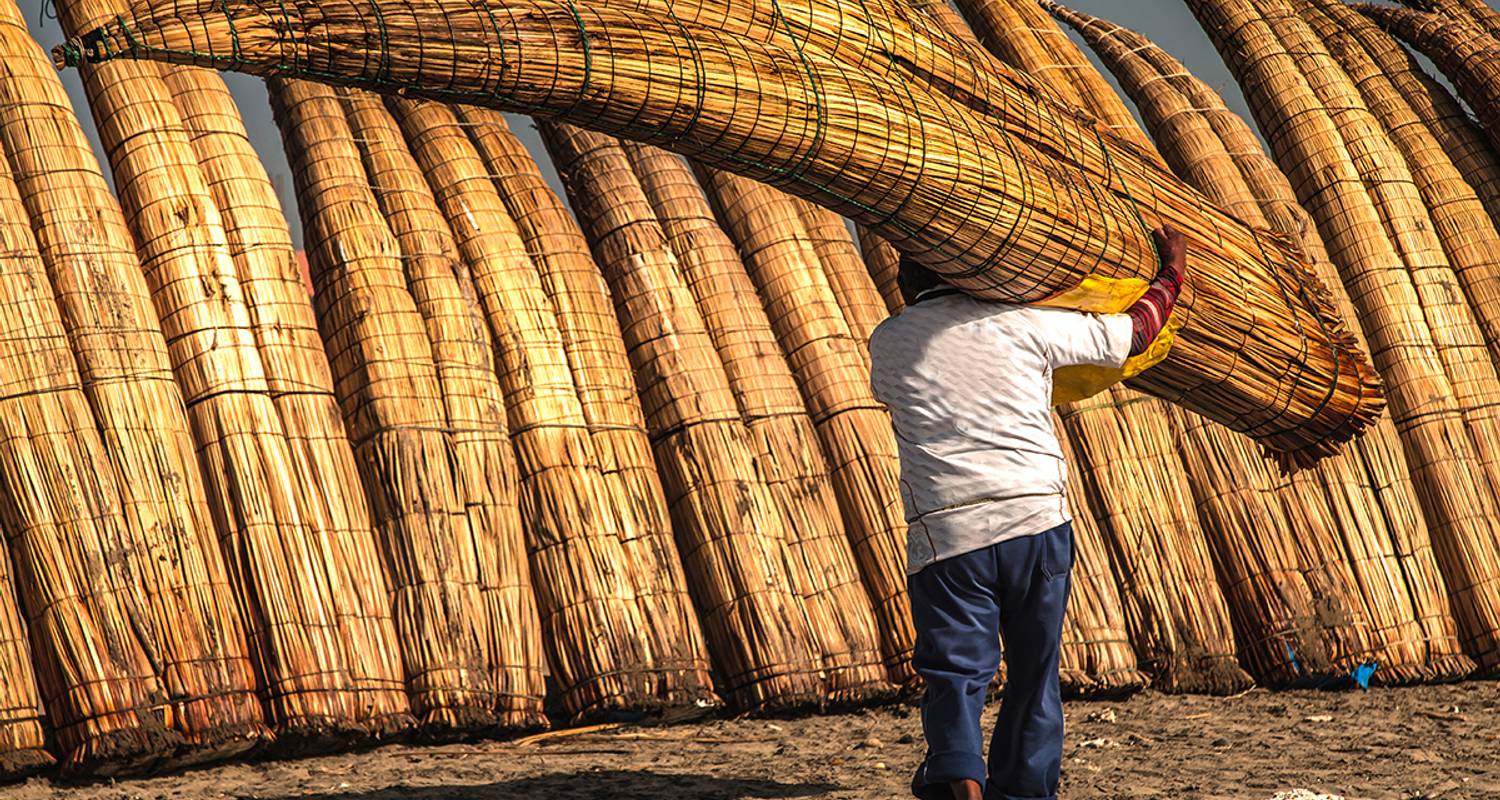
x=600, y=785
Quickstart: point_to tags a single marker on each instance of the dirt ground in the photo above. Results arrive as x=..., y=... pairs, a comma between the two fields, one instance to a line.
x=1428, y=742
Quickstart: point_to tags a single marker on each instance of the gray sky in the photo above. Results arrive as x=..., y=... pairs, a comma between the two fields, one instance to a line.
x=1167, y=22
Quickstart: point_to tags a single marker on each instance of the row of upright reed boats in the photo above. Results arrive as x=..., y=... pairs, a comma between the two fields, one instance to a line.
x=520, y=459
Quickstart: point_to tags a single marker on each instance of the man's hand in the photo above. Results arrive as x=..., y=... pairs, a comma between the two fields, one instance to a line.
x=1172, y=246
x=1149, y=315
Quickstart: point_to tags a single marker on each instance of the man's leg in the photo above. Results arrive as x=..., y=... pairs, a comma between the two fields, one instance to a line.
x=1026, y=751
x=957, y=618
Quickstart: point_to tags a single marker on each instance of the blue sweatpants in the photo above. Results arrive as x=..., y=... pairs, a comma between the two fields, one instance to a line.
x=962, y=607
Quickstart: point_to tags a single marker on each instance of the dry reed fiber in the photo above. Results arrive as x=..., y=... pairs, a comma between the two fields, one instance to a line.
x=787, y=451
x=1465, y=228
x=23, y=745
x=606, y=384
x=708, y=462
x=265, y=515
x=139, y=487
x=833, y=375
x=463, y=596
x=863, y=305
x=1340, y=507
x=1365, y=495
x=1140, y=490
x=1479, y=12
x=1461, y=137
x=592, y=618
x=1435, y=427
x=884, y=265
x=310, y=604
x=1463, y=51
x=1326, y=395
x=1097, y=657
x=91, y=666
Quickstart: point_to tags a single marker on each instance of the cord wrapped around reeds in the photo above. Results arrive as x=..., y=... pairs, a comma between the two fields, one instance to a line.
x=1097, y=657
x=1367, y=207
x=884, y=265
x=468, y=579
x=789, y=637
x=592, y=614
x=788, y=455
x=279, y=529
x=863, y=306
x=1363, y=497
x=1478, y=12
x=1461, y=137
x=1260, y=349
x=23, y=742
x=833, y=374
x=141, y=658
x=1140, y=490
x=677, y=654
x=1467, y=54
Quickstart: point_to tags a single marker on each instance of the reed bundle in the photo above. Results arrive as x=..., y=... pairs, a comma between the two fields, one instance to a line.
x=592, y=617
x=863, y=305
x=1138, y=484
x=157, y=643
x=884, y=265
x=1464, y=227
x=1349, y=530
x=309, y=601
x=265, y=509
x=1478, y=12
x=1467, y=54
x=903, y=180
x=23, y=746
x=1461, y=137
x=833, y=375
x=678, y=657
x=763, y=638
x=1097, y=657
x=1437, y=381
x=447, y=471
x=788, y=456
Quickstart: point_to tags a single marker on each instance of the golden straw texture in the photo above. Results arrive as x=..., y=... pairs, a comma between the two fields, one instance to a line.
x=611, y=404
x=884, y=265
x=1426, y=344
x=832, y=372
x=729, y=527
x=463, y=600
x=592, y=618
x=863, y=306
x=1358, y=518
x=22, y=741
x=136, y=484
x=985, y=189
x=307, y=585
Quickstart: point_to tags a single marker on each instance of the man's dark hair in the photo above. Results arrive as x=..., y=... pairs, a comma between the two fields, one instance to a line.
x=914, y=279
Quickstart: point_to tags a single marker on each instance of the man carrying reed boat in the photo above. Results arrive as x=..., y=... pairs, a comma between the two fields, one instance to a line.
x=990, y=537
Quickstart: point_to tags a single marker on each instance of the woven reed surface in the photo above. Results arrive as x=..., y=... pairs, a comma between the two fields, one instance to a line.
x=864, y=307
x=1462, y=139
x=1338, y=504
x=42, y=386
x=709, y=462
x=1460, y=48
x=448, y=477
x=611, y=404
x=1097, y=656
x=833, y=375
x=787, y=452
x=884, y=265
x=939, y=217
x=1430, y=402
x=140, y=488
x=1477, y=12
x=1139, y=486
x=305, y=583
x=591, y=615
x=1463, y=225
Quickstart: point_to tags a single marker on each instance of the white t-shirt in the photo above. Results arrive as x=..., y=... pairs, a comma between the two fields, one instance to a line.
x=969, y=386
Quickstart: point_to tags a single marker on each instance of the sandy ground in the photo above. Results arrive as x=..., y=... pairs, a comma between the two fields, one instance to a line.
x=1428, y=742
